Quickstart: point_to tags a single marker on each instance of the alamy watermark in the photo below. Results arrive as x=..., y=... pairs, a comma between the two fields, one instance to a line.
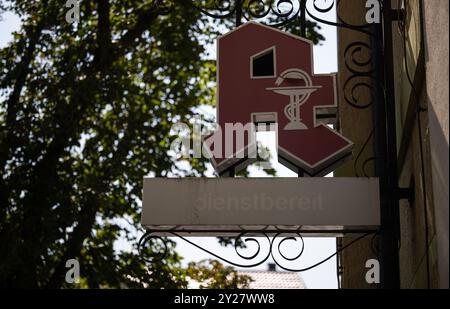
x=373, y=14
x=73, y=14
x=73, y=274
x=233, y=140
x=373, y=274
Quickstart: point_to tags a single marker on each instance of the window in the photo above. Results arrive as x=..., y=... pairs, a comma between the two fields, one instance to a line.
x=262, y=65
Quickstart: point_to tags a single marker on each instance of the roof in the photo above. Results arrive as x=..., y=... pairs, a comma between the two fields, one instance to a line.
x=262, y=26
x=274, y=280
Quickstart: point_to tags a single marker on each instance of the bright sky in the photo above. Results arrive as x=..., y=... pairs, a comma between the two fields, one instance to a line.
x=316, y=249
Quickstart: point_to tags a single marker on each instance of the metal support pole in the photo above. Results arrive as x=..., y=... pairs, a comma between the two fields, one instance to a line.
x=386, y=151
x=303, y=18
x=238, y=21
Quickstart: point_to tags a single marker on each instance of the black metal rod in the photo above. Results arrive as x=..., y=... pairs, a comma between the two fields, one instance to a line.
x=303, y=18
x=347, y=232
x=238, y=13
x=386, y=151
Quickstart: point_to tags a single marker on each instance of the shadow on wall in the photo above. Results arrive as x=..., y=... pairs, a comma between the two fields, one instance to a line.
x=440, y=171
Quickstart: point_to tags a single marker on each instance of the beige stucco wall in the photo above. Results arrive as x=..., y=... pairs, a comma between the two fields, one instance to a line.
x=356, y=124
x=436, y=57
x=418, y=265
x=429, y=68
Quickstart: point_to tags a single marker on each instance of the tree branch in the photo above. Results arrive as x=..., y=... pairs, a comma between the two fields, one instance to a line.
x=10, y=142
x=103, y=34
x=75, y=243
x=87, y=216
x=69, y=127
x=144, y=19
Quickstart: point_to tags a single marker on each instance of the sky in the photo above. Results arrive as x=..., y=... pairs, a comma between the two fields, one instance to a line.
x=9, y=23
x=316, y=249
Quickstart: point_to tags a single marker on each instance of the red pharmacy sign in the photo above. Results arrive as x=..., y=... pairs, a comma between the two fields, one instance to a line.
x=265, y=76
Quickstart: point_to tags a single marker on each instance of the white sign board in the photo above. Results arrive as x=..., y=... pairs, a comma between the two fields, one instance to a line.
x=221, y=204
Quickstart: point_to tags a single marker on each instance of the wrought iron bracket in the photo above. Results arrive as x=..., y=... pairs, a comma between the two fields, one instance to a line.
x=268, y=245
x=366, y=68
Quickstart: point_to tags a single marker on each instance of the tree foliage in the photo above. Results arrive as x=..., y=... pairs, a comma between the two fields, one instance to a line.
x=211, y=274
x=85, y=113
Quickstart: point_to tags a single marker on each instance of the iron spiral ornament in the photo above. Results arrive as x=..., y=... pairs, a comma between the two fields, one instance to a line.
x=264, y=247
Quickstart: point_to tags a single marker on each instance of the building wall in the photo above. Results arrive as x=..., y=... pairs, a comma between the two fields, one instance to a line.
x=418, y=264
x=436, y=58
x=422, y=155
x=356, y=124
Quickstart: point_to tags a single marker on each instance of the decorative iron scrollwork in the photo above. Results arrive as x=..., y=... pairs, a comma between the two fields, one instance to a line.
x=361, y=73
x=217, y=9
x=276, y=13
x=326, y=7
x=265, y=247
x=146, y=253
x=273, y=12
